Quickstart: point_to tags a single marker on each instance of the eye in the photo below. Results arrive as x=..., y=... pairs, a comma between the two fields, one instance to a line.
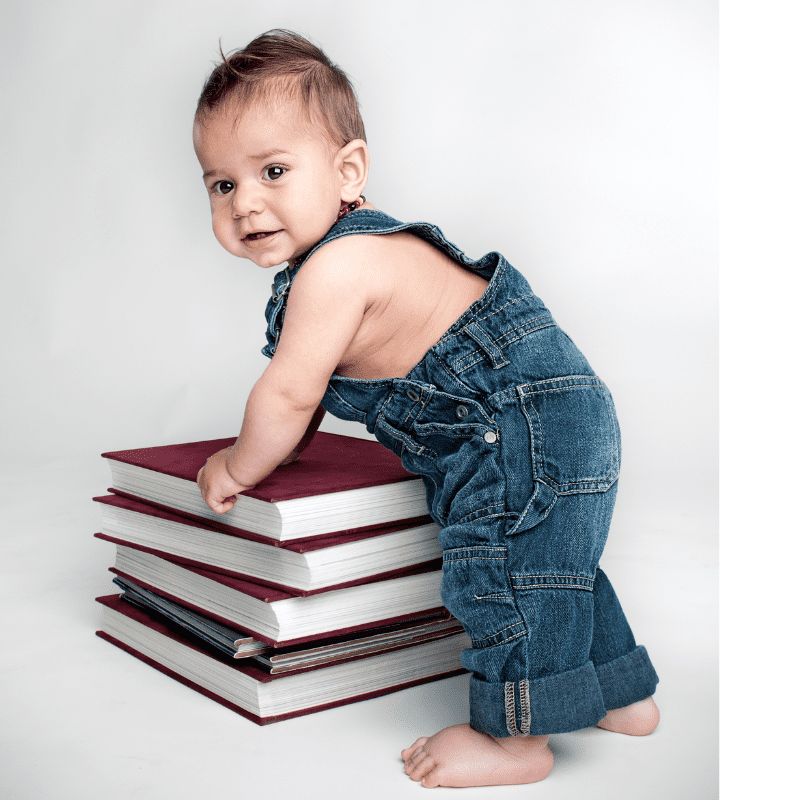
x=273, y=172
x=222, y=187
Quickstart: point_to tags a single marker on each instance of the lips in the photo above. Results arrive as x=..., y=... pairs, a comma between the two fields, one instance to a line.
x=256, y=235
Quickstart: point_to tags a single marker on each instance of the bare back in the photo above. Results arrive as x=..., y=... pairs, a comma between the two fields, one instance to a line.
x=415, y=293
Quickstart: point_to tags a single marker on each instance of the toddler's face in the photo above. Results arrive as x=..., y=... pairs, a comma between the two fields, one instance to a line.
x=274, y=187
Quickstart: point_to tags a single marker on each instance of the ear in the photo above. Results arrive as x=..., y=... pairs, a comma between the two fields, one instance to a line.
x=353, y=166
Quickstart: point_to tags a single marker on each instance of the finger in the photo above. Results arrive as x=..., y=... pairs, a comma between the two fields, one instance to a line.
x=220, y=506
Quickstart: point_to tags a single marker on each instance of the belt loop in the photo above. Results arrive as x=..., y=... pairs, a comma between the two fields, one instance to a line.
x=487, y=344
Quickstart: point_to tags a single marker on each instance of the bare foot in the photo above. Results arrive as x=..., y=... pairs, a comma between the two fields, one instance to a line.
x=637, y=719
x=461, y=756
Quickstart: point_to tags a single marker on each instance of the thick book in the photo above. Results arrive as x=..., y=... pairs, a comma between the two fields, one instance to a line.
x=274, y=616
x=301, y=568
x=302, y=657
x=227, y=640
x=263, y=697
x=338, y=485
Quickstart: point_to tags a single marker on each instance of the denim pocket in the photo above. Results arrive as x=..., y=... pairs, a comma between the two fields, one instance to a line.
x=575, y=440
x=476, y=589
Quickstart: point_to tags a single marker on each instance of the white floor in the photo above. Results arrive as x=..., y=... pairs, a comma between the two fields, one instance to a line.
x=81, y=719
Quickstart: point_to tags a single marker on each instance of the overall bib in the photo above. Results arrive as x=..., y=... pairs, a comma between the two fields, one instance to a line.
x=517, y=443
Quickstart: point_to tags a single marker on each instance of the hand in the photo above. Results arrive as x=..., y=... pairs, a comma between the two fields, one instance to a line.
x=218, y=488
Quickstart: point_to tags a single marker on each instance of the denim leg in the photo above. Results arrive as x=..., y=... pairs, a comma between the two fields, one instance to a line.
x=537, y=626
x=624, y=670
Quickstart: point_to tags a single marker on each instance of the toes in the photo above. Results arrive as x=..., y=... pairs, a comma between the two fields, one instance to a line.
x=405, y=754
x=431, y=779
x=414, y=759
x=421, y=768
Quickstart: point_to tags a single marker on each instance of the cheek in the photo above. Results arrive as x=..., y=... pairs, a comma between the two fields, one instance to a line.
x=223, y=230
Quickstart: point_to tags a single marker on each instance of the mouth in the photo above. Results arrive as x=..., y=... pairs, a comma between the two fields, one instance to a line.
x=257, y=235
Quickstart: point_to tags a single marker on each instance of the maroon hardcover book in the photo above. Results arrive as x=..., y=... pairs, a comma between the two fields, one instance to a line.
x=189, y=547
x=358, y=463
x=230, y=600
x=445, y=666
x=329, y=465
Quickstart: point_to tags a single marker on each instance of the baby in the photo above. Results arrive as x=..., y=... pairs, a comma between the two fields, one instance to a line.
x=458, y=368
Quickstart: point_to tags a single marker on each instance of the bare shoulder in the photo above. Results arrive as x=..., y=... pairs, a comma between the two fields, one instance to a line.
x=364, y=261
x=357, y=249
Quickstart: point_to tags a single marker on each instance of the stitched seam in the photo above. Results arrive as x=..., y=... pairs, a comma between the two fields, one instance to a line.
x=487, y=516
x=552, y=586
x=530, y=503
x=401, y=437
x=524, y=708
x=481, y=558
x=581, y=481
x=534, y=455
x=510, y=303
x=548, y=575
x=524, y=333
x=502, y=341
x=360, y=414
x=421, y=401
x=485, y=508
x=560, y=389
x=494, y=635
x=477, y=356
x=486, y=343
x=511, y=724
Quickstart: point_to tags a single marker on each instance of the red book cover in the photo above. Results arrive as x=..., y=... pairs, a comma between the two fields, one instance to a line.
x=356, y=463
x=252, y=671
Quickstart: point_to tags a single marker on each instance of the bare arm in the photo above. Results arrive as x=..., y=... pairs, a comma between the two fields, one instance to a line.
x=312, y=428
x=325, y=308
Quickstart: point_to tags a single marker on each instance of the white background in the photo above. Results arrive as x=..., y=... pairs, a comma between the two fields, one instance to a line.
x=578, y=138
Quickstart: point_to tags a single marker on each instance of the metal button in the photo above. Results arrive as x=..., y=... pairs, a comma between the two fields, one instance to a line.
x=490, y=437
x=462, y=412
x=412, y=395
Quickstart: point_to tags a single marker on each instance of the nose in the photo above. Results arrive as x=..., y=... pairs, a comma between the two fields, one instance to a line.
x=247, y=199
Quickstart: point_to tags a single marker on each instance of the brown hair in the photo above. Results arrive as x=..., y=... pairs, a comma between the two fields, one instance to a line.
x=284, y=63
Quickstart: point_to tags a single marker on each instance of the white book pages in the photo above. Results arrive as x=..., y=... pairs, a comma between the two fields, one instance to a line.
x=294, y=692
x=318, y=569
x=293, y=617
x=287, y=519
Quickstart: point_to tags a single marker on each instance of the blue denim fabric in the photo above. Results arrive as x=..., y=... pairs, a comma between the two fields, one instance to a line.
x=517, y=442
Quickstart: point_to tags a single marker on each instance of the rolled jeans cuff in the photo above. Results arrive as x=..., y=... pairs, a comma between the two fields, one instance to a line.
x=569, y=701
x=627, y=679
x=559, y=703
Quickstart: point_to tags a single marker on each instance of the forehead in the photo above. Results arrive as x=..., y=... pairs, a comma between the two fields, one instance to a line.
x=277, y=125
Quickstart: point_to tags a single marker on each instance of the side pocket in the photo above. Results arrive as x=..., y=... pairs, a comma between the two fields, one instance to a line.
x=476, y=589
x=575, y=441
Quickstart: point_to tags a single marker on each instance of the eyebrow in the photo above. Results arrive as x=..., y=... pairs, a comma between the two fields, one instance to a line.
x=258, y=157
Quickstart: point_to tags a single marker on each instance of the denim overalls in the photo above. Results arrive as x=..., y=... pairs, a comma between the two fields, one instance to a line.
x=517, y=443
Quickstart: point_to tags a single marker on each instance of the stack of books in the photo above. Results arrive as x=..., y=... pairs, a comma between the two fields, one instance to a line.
x=320, y=587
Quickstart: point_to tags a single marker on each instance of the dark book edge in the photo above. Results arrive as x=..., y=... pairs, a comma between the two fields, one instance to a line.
x=188, y=633
x=283, y=644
